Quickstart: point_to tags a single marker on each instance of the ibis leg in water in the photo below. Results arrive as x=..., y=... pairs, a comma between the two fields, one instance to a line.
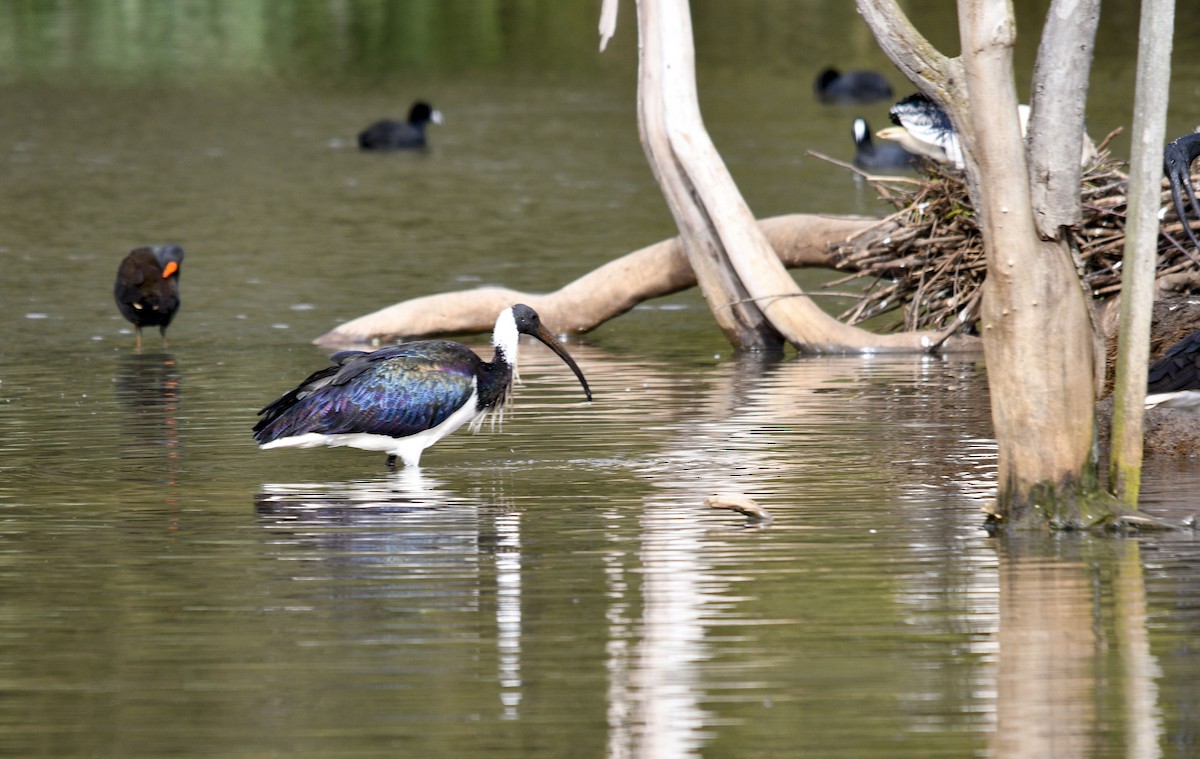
x=403, y=399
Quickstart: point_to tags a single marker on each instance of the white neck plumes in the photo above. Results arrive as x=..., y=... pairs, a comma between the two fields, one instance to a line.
x=506, y=338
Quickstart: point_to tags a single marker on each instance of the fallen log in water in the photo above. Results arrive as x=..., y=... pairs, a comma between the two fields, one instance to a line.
x=600, y=295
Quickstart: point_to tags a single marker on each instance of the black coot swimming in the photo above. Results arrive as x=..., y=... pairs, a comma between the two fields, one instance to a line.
x=833, y=86
x=396, y=135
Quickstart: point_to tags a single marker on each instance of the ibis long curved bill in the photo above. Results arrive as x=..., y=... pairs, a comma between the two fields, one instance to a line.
x=402, y=399
x=550, y=341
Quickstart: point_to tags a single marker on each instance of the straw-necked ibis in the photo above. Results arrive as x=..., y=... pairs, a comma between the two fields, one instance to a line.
x=398, y=135
x=833, y=86
x=1177, y=164
x=1173, y=380
x=403, y=399
x=147, y=288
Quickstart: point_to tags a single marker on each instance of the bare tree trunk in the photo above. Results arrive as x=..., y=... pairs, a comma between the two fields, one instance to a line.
x=1056, y=124
x=936, y=75
x=1037, y=332
x=678, y=147
x=1036, y=329
x=1141, y=234
x=752, y=296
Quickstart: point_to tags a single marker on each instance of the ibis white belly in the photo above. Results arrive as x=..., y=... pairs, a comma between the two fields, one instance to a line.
x=408, y=448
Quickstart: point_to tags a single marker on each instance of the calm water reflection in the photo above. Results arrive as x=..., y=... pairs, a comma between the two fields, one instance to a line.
x=555, y=587
x=541, y=591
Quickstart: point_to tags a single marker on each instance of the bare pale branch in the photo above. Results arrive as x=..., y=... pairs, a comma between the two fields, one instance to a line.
x=1056, y=132
x=608, y=22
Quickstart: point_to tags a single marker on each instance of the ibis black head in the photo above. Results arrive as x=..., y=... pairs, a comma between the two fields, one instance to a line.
x=529, y=323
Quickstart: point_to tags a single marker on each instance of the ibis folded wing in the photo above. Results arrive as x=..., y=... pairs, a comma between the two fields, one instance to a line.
x=397, y=392
x=1178, y=369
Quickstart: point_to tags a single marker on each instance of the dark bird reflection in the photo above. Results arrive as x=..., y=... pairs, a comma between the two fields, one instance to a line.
x=407, y=553
x=148, y=392
x=405, y=519
x=403, y=492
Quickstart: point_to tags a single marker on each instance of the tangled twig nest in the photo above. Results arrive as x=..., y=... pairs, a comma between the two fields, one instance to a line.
x=926, y=260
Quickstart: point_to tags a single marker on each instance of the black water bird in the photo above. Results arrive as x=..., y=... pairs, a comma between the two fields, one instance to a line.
x=403, y=399
x=396, y=135
x=1177, y=165
x=833, y=86
x=886, y=155
x=147, y=288
x=1173, y=381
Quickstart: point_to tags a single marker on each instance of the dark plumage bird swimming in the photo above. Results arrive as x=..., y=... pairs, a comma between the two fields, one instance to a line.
x=886, y=155
x=403, y=399
x=833, y=86
x=395, y=135
x=147, y=288
x=1177, y=165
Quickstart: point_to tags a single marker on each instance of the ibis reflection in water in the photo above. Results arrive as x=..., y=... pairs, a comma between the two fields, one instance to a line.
x=403, y=399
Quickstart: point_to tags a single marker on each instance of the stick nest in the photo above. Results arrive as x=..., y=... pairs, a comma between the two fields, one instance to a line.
x=926, y=260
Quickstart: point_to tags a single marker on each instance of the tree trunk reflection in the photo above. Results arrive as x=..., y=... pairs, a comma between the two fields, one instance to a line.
x=1056, y=651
